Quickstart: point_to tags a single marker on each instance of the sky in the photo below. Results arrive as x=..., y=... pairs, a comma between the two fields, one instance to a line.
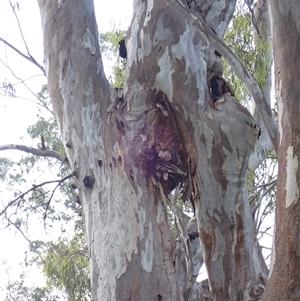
x=17, y=113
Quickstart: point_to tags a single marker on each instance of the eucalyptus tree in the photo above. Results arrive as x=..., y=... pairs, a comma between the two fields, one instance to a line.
x=166, y=131
x=176, y=128
x=286, y=37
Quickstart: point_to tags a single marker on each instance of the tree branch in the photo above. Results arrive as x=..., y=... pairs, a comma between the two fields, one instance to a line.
x=20, y=28
x=21, y=196
x=49, y=201
x=206, y=32
x=254, y=21
x=30, y=58
x=256, y=209
x=40, y=103
x=10, y=222
x=34, y=151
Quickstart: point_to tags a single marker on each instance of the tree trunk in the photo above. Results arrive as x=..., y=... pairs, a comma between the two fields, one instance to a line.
x=129, y=153
x=129, y=242
x=284, y=279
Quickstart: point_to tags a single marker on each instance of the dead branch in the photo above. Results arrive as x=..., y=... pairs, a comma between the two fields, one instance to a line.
x=34, y=151
x=205, y=31
x=264, y=185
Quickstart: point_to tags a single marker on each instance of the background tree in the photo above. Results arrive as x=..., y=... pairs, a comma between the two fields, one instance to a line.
x=18, y=291
x=285, y=267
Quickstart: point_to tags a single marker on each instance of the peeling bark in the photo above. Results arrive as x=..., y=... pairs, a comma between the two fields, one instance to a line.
x=209, y=35
x=129, y=241
x=167, y=131
x=226, y=225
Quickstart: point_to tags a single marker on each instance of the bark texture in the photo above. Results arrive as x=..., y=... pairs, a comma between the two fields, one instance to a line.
x=208, y=33
x=284, y=279
x=226, y=225
x=167, y=131
x=129, y=242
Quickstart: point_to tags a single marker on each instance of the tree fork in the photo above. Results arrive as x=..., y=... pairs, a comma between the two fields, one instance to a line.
x=129, y=241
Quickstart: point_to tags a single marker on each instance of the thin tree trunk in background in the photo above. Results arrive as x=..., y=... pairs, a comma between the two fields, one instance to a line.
x=284, y=281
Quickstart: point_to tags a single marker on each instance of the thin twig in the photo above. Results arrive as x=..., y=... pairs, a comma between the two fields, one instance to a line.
x=267, y=210
x=32, y=59
x=26, y=79
x=264, y=185
x=49, y=201
x=267, y=248
x=29, y=58
x=42, y=104
x=10, y=222
x=20, y=197
x=262, y=233
x=13, y=8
